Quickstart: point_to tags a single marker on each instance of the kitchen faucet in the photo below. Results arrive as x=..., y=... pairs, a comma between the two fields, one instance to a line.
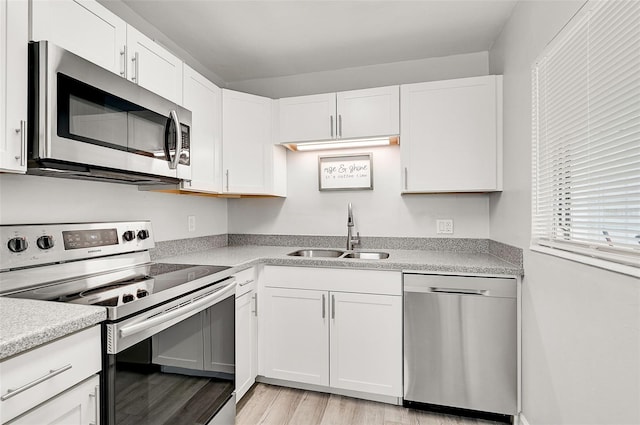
x=351, y=241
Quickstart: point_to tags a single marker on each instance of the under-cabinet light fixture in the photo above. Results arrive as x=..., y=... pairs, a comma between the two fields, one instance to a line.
x=342, y=144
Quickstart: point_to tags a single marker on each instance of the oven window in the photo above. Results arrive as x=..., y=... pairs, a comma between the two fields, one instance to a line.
x=88, y=114
x=180, y=376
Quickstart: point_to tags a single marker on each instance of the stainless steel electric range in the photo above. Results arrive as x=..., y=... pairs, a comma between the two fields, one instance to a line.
x=168, y=342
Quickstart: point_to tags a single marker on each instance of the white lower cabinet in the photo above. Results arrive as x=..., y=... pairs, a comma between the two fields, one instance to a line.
x=366, y=343
x=55, y=383
x=333, y=327
x=246, y=332
x=297, y=335
x=79, y=405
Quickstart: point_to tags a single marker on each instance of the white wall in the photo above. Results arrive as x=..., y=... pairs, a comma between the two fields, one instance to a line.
x=35, y=199
x=414, y=71
x=378, y=212
x=581, y=325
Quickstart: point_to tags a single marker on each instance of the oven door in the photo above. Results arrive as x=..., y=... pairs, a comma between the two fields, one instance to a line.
x=174, y=364
x=83, y=114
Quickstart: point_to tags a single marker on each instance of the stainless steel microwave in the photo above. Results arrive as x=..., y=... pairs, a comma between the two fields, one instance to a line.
x=86, y=122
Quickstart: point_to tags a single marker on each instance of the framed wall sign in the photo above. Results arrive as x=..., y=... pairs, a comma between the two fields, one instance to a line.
x=345, y=172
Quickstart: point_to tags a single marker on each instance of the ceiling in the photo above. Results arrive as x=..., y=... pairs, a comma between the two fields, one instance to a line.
x=241, y=40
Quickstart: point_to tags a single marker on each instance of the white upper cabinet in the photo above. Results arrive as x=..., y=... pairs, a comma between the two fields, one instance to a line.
x=344, y=115
x=89, y=30
x=368, y=113
x=204, y=100
x=252, y=164
x=153, y=67
x=305, y=118
x=452, y=135
x=13, y=90
x=83, y=27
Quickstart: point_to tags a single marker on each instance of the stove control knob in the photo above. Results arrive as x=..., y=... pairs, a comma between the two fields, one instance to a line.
x=45, y=242
x=127, y=298
x=18, y=244
x=142, y=293
x=129, y=235
x=143, y=234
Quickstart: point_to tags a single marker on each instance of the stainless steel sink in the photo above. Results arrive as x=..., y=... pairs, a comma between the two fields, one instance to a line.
x=367, y=255
x=332, y=253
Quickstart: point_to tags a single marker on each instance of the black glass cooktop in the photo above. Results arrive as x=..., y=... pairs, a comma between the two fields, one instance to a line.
x=122, y=286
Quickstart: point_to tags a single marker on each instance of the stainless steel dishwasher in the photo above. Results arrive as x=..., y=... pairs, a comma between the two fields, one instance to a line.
x=460, y=343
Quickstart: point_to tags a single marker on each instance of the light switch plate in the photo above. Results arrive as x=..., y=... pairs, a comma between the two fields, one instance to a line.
x=192, y=223
x=444, y=226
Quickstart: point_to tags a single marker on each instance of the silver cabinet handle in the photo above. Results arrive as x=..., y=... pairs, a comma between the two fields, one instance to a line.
x=53, y=372
x=136, y=61
x=255, y=300
x=123, y=61
x=331, y=124
x=333, y=306
x=23, y=142
x=245, y=283
x=406, y=178
x=173, y=162
x=227, y=174
x=323, y=307
x=340, y=125
x=96, y=404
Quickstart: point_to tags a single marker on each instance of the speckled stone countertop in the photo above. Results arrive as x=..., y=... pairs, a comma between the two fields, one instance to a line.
x=25, y=324
x=241, y=257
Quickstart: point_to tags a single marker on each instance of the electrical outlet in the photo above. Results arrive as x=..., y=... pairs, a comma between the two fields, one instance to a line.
x=444, y=226
x=191, y=220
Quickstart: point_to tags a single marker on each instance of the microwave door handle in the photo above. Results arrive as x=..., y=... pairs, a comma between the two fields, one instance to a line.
x=173, y=162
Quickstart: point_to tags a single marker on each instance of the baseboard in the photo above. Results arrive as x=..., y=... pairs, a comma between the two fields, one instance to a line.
x=522, y=420
x=322, y=389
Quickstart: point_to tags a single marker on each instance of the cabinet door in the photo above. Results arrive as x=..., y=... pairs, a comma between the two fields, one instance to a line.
x=79, y=405
x=13, y=88
x=153, y=67
x=180, y=345
x=366, y=343
x=246, y=142
x=296, y=340
x=204, y=100
x=451, y=135
x=369, y=112
x=305, y=118
x=83, y=27
x=245, y=377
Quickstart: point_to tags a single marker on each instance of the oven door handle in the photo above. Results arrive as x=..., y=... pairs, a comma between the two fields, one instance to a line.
x=183, y=312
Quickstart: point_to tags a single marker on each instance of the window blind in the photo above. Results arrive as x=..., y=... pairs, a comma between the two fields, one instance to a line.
x=586, y=135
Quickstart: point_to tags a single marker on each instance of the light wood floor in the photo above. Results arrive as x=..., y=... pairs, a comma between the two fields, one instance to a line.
x=272, y=405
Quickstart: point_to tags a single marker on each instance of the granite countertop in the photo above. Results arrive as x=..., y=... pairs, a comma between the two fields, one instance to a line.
x=241, y=257
x=26, y=324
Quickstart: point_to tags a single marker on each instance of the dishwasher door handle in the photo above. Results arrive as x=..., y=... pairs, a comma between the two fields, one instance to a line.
x=482, y=292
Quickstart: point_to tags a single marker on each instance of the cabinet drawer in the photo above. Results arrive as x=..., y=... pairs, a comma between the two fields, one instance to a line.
x=74, y=358
x=342, y=280
x=78, y=405
x=245, y=280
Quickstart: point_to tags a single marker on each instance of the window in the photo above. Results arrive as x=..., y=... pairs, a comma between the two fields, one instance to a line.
x=586, y=137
